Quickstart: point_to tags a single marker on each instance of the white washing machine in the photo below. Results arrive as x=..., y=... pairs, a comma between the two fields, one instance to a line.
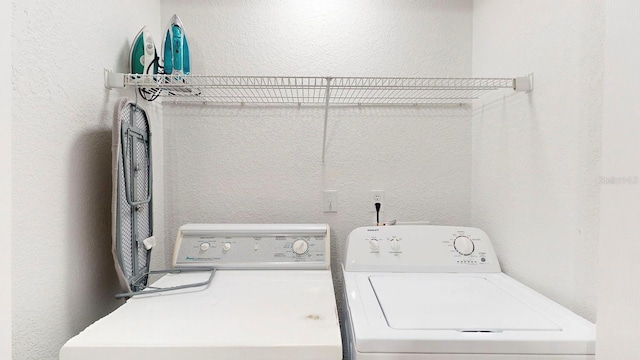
x=437, y=292
x=270, y=298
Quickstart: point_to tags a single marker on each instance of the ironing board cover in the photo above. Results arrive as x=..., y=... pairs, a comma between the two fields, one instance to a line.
x=132, y=213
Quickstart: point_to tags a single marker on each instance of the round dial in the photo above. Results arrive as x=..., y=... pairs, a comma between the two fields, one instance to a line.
x=463, y=245
x=204, y=246
x=374, y=244
x=395, y=244
x=226, y=246
x=300, y=246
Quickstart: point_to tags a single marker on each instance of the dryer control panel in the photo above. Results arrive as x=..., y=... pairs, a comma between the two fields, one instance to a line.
x=253, y=246
x=420, y=248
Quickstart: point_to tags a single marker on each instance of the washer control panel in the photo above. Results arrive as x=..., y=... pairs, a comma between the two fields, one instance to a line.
x=420, y=248
x=253, y=246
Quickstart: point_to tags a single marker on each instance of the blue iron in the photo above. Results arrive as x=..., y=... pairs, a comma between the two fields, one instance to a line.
x=176, y=49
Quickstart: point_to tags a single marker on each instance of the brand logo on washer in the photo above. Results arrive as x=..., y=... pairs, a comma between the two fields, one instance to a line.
x=374, y=229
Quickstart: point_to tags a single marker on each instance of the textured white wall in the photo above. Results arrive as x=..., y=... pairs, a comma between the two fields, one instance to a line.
x=619, y=288
x=63, y=275
x=263, y=164
x=536, y=157
x=5, y=185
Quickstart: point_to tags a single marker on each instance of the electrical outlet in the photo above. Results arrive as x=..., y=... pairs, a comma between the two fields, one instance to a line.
x=377, y=196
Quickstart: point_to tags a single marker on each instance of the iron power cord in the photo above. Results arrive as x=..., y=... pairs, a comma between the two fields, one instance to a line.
x=152, y=94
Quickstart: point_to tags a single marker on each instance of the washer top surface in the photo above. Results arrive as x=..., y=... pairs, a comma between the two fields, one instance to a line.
x=476, y=314
x=462, y=303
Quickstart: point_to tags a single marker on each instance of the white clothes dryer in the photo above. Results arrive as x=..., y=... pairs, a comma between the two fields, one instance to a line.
x=437, y=292
x=271, y=297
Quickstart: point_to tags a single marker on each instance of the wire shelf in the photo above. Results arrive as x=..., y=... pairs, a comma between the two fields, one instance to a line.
x=316, y=90
x=325, y=91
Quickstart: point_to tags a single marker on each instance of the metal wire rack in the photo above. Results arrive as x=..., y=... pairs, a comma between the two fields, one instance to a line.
x=316, y=90
x=325, y=91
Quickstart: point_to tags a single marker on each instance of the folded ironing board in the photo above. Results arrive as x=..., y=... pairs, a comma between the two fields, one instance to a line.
x=132, y=203
x=132, y=209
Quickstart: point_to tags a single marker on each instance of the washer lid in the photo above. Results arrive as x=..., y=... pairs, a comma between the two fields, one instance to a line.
x=473, y=304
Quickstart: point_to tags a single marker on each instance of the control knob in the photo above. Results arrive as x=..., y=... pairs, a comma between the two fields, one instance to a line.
x=463, y=245
x=395, y=244
x=204, y=246
x=374, y=245
x=300, y=246
x=226, y=246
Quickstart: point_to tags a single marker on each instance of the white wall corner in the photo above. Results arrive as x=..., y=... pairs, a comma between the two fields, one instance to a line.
x=61, y=149
x=536, y=154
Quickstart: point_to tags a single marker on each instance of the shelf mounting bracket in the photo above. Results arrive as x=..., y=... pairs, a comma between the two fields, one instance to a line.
x=113, y=80
x=524, y=83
